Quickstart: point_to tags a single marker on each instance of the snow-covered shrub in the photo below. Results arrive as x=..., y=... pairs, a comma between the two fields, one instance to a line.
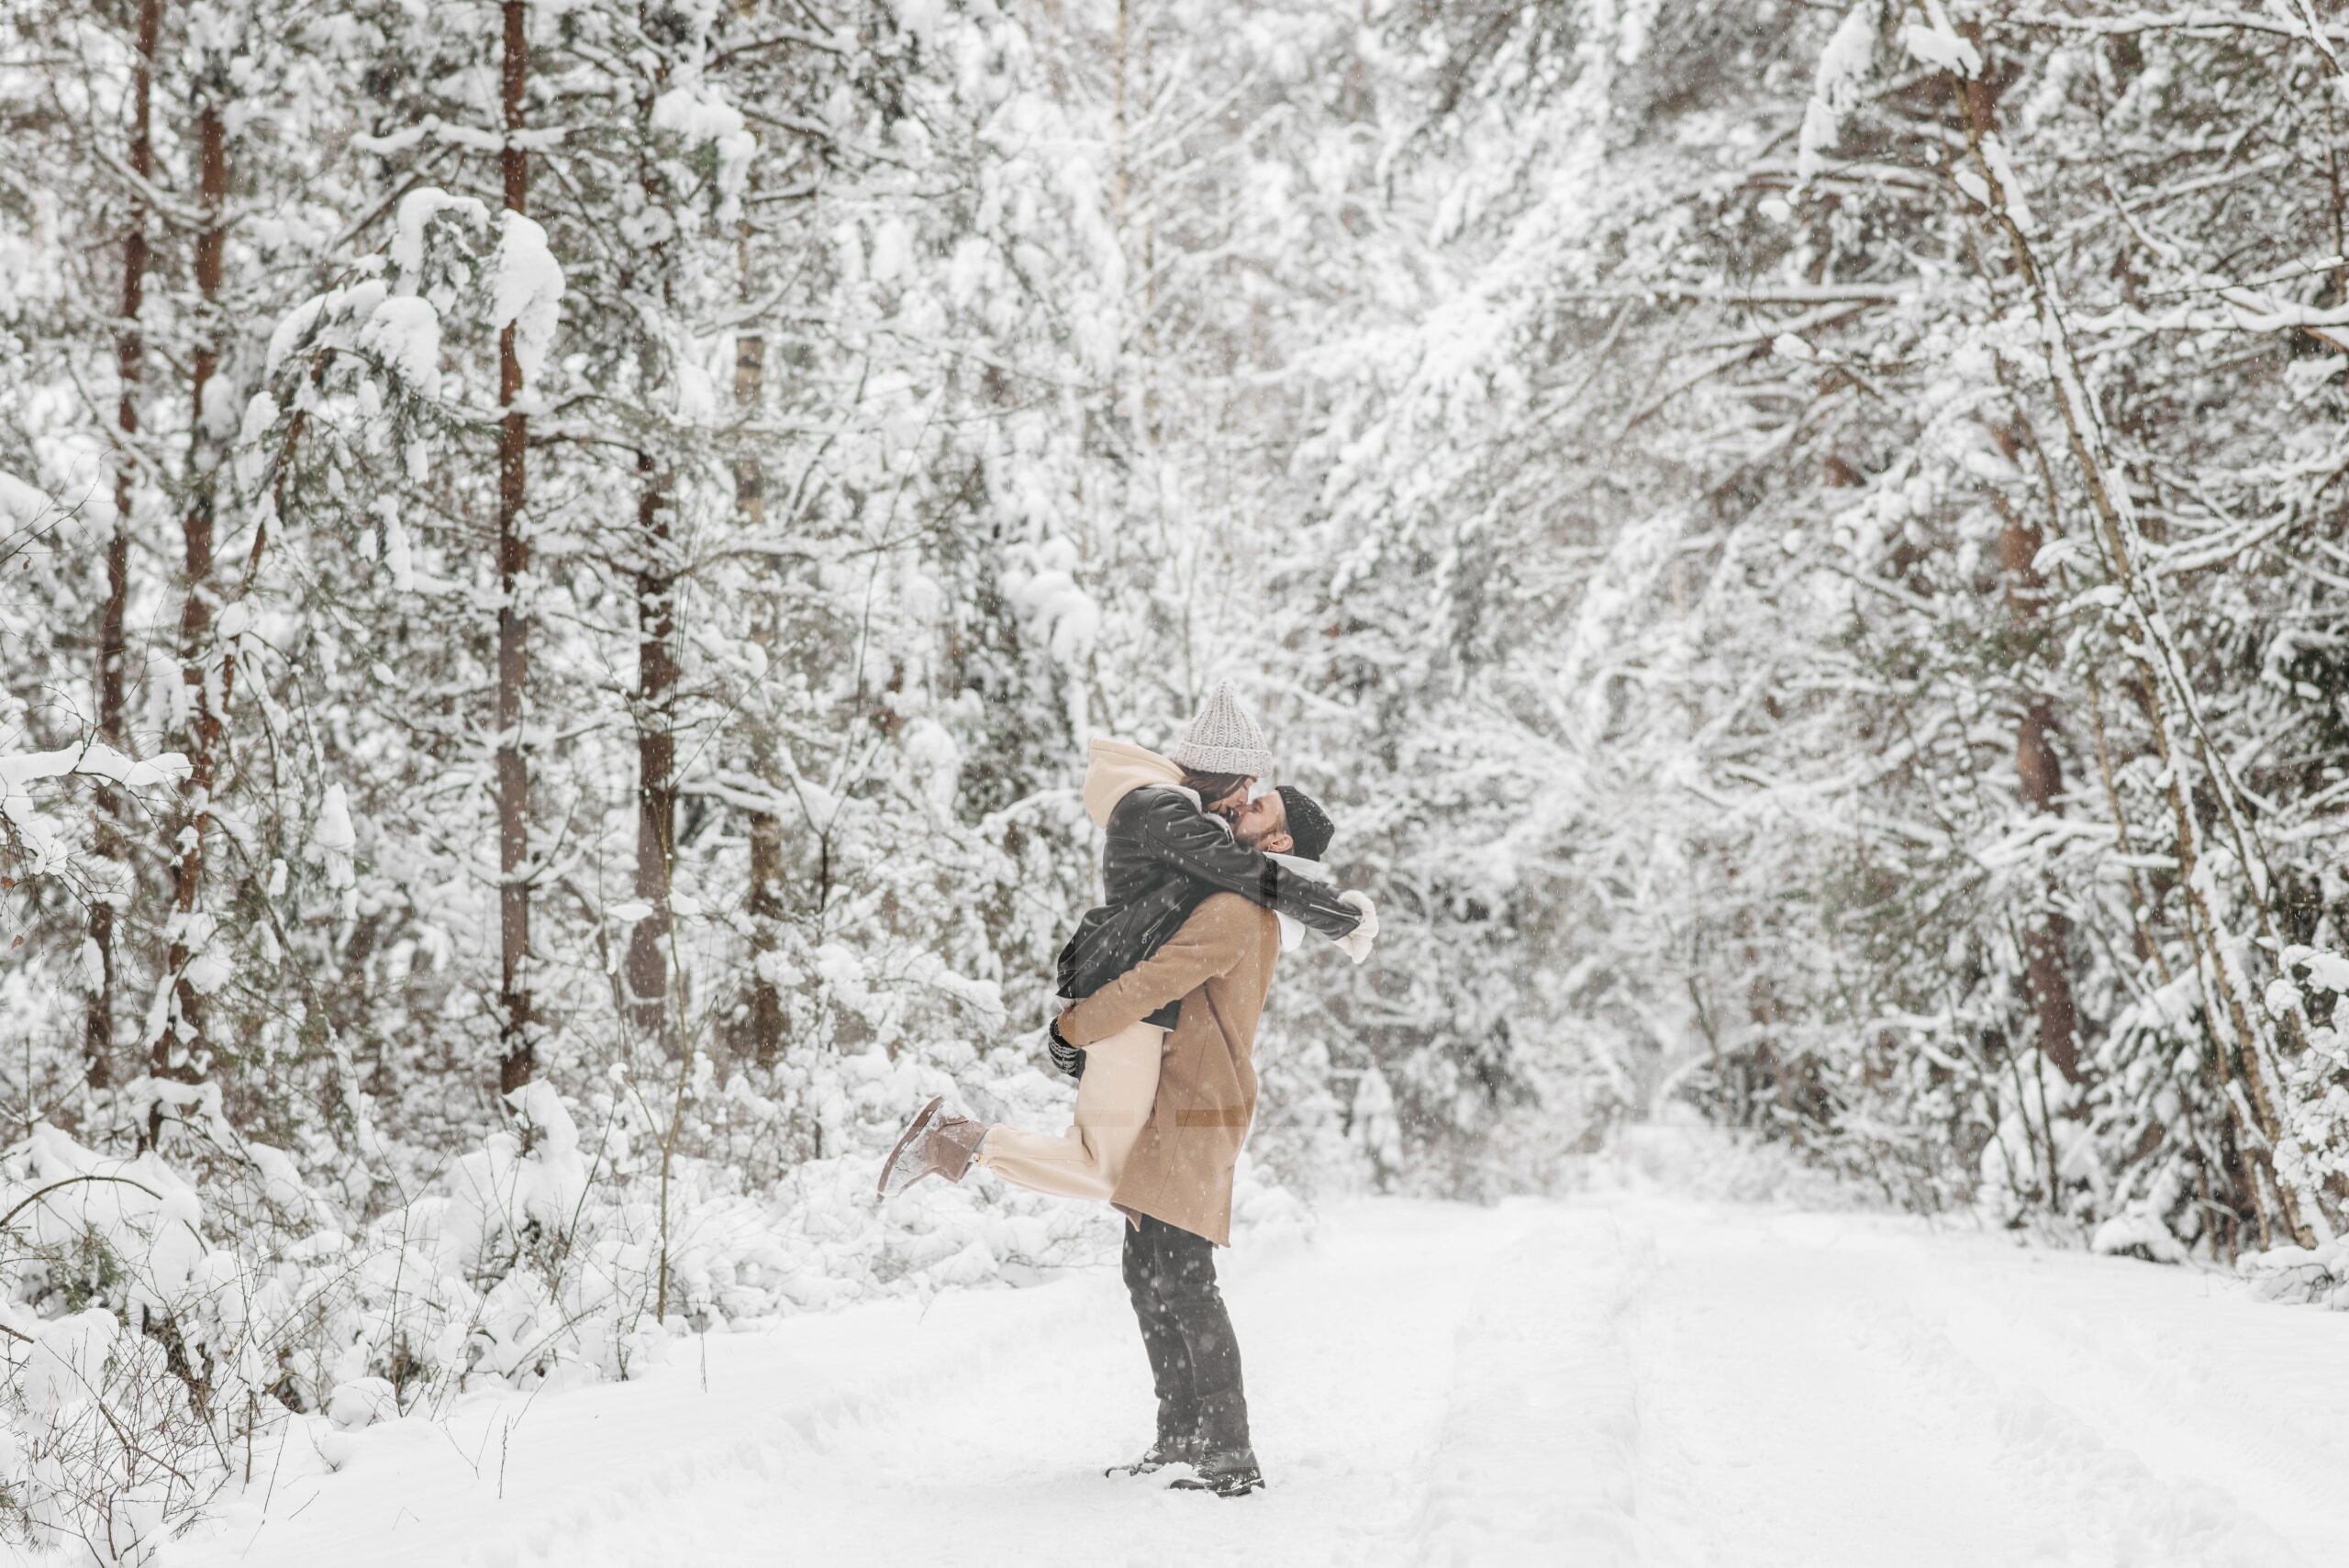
x=160, y=1313
x=2301, y=1274
x=127, y=1336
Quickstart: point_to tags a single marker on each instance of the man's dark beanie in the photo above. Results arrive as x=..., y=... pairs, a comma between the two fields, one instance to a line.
x=1308, y=826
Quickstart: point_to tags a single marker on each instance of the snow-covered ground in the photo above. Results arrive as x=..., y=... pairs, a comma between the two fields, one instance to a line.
x=1610, y=1380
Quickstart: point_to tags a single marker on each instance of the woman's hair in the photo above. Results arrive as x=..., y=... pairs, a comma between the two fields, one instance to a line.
x=1212, y=787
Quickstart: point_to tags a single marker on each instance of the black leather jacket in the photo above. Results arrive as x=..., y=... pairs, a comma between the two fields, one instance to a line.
x=1164, y=858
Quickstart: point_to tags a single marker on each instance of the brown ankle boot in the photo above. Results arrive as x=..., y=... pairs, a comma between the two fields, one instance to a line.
x=933, y=1143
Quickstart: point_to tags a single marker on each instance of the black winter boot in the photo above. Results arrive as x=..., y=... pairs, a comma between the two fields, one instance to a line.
x=1184, y=1448
x=1226, y=1472
x=1227, y=1462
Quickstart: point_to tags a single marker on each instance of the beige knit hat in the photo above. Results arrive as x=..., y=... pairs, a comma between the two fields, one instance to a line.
x=1224, y=738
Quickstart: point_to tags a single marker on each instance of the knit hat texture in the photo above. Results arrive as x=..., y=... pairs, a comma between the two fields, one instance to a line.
x=1224, y=738
x=1309, y=827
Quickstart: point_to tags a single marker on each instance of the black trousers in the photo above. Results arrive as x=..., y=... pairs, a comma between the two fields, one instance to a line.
x=1194, y=1356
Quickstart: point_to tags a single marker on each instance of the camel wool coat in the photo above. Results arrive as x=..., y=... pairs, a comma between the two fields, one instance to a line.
x=1219, y=965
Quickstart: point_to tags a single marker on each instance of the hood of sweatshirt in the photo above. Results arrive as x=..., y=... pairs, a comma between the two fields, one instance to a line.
x=1115, y=768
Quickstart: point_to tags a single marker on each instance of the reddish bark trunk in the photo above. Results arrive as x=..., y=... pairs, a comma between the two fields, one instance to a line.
x=130, y=368
x=517, y=1061
x=768, y=1020
x=178, y=1049
x=656, y=755
x=2047, y=977
x=647, y=967
x=2039, y=773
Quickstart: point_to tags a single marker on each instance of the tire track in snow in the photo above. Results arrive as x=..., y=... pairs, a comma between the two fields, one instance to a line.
x=2102, y=1502
x=2127, y=1346
x=1783, y=1429
x=1539, y=1455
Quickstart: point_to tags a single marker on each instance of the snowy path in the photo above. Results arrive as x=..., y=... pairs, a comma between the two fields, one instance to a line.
x=1606, y=1380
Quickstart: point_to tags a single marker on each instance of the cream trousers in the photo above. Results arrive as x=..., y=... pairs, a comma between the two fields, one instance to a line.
x=1113, y=1102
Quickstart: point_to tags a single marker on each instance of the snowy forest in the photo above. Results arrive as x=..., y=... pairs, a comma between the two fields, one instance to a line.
x=559, y=559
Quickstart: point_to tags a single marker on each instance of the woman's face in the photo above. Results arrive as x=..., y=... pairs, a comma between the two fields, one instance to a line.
x=1231, y=806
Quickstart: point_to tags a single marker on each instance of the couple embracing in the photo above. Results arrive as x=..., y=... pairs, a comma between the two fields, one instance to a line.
x=1205, y=882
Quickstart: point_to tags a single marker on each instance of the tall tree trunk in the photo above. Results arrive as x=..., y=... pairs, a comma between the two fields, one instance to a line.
x=656, y=752
x=2047, y=975
x=517, y=1040
x=130, y=368
x=177, y=1051
x=768, y=1018
x=648, y=944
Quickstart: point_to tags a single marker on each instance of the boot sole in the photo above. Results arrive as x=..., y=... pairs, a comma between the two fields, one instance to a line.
x=914, y=1129
x=1189, y=1483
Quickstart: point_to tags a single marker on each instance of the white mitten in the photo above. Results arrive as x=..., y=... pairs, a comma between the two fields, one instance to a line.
x=1357, y=942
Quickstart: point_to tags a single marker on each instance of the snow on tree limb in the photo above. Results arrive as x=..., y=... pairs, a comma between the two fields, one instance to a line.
x=526, y=289
x=19, y=812
x=1844, y=66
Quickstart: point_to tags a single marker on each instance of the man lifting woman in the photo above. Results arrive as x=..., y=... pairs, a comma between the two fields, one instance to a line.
x=1204, y=882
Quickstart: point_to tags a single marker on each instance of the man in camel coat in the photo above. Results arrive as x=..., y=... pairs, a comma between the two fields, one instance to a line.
x=1177, y=1186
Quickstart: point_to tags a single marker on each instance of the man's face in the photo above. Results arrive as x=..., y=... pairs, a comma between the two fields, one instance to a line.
x=1263, y=824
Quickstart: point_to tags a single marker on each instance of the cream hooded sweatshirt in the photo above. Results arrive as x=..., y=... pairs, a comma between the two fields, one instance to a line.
x=1115, y=768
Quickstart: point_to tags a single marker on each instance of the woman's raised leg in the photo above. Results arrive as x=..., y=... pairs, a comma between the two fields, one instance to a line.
x=1113, y=1102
